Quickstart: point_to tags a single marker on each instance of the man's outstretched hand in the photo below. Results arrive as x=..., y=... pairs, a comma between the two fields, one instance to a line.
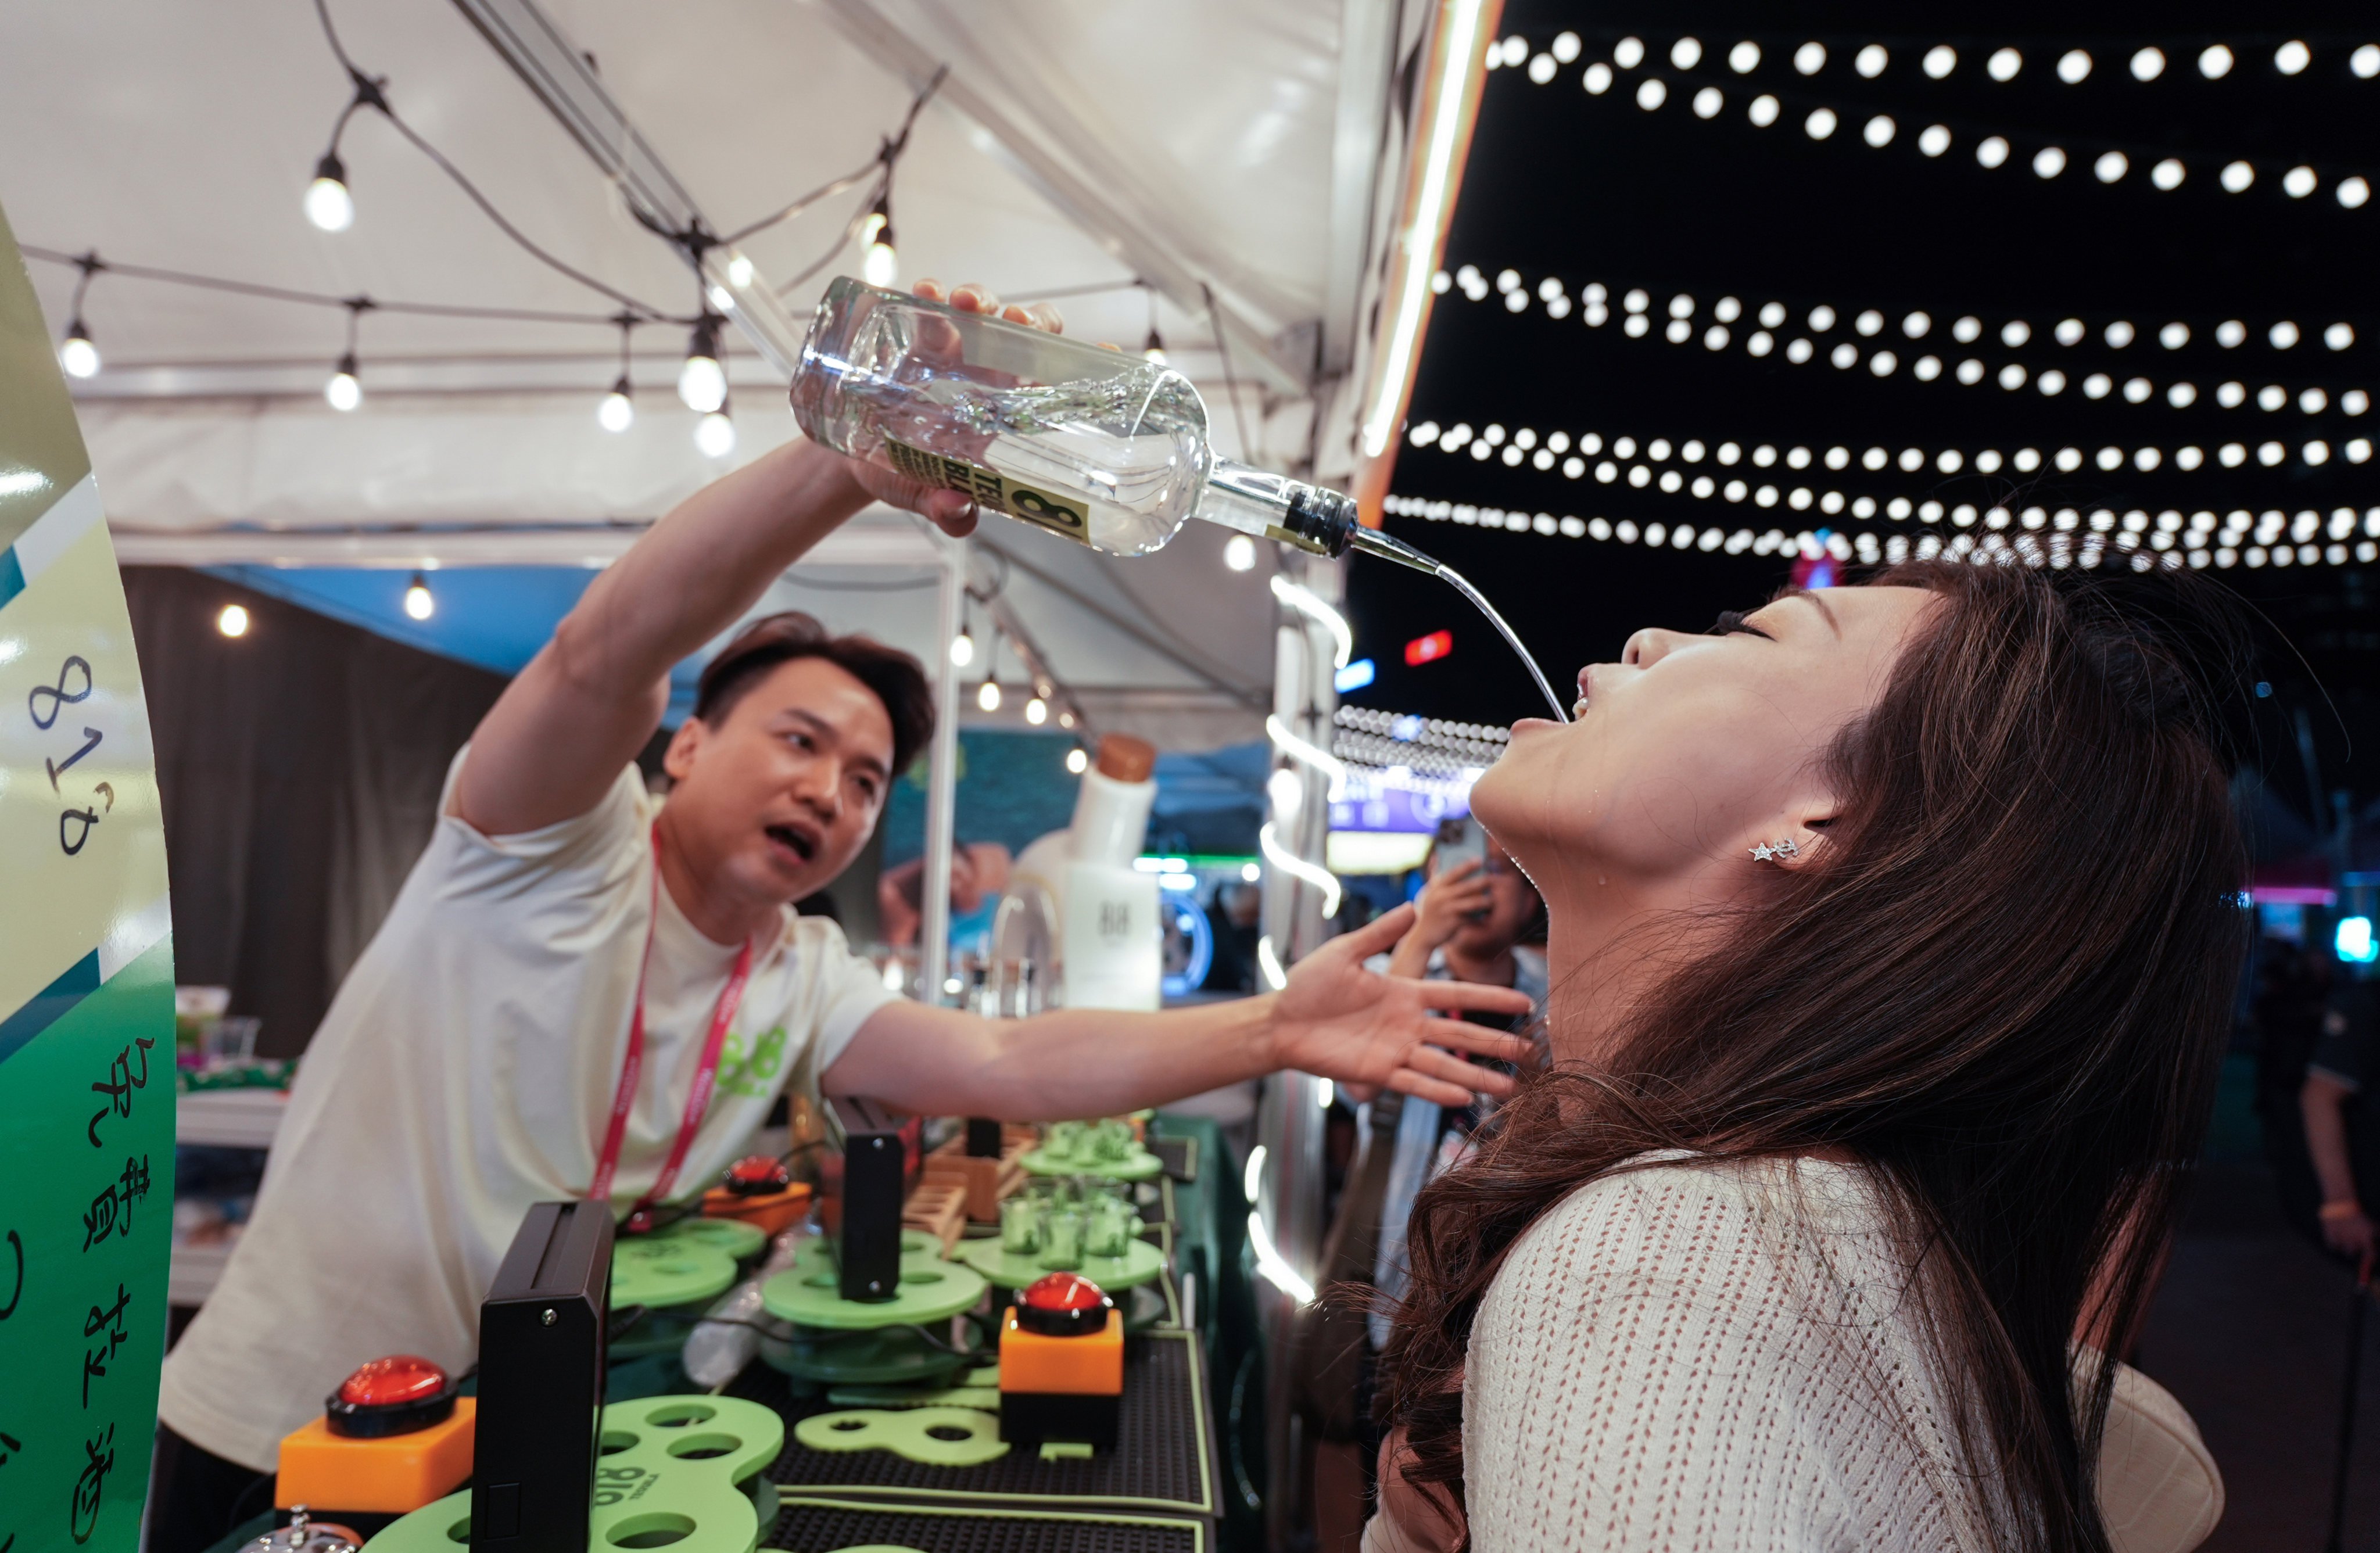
x=1368, y=1032
x=950, y=511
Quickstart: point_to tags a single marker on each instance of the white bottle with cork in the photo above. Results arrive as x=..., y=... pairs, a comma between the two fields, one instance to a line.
x=1109, y=947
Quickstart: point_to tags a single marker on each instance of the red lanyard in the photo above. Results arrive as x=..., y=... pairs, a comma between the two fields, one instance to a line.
x=697, y=1100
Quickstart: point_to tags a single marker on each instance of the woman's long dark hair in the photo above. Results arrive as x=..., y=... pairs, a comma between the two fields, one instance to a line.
x=2005, y=984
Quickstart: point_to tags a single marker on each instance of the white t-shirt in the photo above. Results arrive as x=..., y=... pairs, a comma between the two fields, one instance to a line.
x=466, y=1070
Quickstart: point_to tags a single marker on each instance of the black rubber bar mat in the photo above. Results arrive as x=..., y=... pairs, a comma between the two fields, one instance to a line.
x=816, y=1525
x=1161, y=1459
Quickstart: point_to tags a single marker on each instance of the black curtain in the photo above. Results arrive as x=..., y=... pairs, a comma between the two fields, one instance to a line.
x=300, y=765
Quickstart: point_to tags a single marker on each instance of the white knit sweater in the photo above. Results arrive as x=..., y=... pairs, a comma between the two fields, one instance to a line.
x=1709, y=1356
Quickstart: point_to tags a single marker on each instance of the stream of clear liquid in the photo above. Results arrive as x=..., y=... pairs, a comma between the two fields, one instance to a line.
x=1373, y=542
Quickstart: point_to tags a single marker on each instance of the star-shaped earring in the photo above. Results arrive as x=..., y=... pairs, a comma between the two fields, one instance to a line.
x=1764, y=853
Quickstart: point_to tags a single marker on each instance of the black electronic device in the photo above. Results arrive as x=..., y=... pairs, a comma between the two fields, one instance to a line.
x=984, y=1140
x=868, y=1192
x=541, y=1357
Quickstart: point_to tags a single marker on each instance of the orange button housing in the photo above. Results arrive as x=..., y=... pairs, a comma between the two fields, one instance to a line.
x=385, y=1477
x=1091, y=1365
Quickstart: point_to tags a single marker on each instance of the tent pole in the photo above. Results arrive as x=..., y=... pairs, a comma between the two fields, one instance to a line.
x=941, y=782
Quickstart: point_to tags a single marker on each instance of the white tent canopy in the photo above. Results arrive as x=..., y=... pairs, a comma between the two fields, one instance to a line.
x=1235, y=148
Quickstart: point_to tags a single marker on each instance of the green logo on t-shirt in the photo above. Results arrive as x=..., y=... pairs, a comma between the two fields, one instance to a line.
x=753, y=1075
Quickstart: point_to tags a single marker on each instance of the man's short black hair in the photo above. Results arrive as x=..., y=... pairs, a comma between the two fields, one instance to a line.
x=898, y=679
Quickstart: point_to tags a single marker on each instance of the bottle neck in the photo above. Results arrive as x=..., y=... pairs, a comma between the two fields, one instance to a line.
x=1273, y=506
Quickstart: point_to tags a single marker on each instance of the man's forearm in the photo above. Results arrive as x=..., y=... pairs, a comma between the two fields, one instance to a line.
x=560, y=732
x=1067, y=1063
x=704, y=564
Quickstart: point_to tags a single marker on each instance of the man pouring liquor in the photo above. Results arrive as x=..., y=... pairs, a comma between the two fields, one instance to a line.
x=583, y=991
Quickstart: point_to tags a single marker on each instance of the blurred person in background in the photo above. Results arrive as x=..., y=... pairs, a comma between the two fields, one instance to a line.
x=2340, y=1138
x=1472, y=923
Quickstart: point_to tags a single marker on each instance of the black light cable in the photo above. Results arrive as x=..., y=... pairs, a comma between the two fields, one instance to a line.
x=328, y=195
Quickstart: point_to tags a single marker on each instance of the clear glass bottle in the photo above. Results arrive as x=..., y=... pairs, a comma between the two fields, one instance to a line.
x=1107, y=448
x=1104, y=448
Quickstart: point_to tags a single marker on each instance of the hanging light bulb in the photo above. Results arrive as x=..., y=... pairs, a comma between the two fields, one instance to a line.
x=328, y=203
x=1154, y=350
x=418, y=601
x=1036, y=712
x=1240, y=552
x=702, y=381
x=1078, y=761
x=988, y=695
x=963, y=649
x=617, y=412
x=343, y=392
x=882, y=265
x=77, y=354
x=233, y=622
x=715, y=433
x=739, y=271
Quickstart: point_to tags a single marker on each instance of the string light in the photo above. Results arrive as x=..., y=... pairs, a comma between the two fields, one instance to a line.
x=419, y=604
x=1728, y=456
x=1775, y=319
x=618, y=410
x=1036, y=712
x=963, y=649
x=881, y=265
x=1870, y=60
x=702, y=381
x=1819, y=120
x=1240, y=553
x=987, y=695
x=2035, y=537
x=1077, y=760
x=1153, y=348
x=77, y=352
x=233, y=621
x=715, y=434
x=344, y=390
x=328, y=204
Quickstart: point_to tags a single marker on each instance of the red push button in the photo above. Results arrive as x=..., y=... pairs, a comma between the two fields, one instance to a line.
x=1063, y=1304
x=393, y=1396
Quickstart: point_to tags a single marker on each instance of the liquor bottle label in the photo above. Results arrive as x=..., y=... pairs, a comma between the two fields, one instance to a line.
x=1060, y=515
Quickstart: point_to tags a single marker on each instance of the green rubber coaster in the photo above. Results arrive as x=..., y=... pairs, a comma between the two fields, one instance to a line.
x=979, y=1389
x=1138, y=1165
x=931, y=1290
x=733, y=1236
x=667, y=1476
x=668, y=1271
x=887, y=1357
x=934, y=1436
x=1139, y=1263
x=915, y=1245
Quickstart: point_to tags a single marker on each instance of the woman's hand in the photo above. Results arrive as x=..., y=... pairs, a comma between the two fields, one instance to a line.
x=952, y=512
x=1451, y=900
x=1367, y=1031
